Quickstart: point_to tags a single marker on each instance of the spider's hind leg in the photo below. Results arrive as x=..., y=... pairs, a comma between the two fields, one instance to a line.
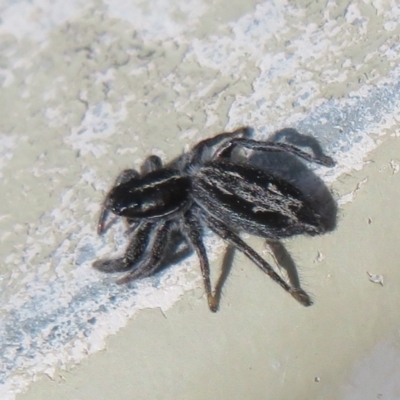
x=223, y=231
x=284, y=260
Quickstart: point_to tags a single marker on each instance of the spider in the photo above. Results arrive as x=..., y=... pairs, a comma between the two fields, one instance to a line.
x=207, y=188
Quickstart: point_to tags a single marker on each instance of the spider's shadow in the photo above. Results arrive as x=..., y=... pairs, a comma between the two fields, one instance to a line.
x=289, y=168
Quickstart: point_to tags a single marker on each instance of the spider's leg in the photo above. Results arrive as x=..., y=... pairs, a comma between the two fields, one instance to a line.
x=220, y=229
x=159, y=240
x=226, y=148
x=193, y=232
x=152, y=163
x=226, y=267
x=178, y=250
x=133, y=253
x=124, y=176
x=284, y=260
x=204, y=145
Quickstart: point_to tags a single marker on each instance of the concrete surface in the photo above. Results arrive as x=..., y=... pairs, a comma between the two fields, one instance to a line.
x=89, y=88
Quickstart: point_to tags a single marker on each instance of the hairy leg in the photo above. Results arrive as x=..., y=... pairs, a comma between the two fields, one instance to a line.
x=234, y=240
x=133, y=254
x=193, y=232
x=198, y=151
x=226, y=267
x=284, y=260
x=154, y=255
x=226, y=148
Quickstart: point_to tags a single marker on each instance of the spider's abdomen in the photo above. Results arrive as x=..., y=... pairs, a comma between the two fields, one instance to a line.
x=254, y=201
x=157, y=194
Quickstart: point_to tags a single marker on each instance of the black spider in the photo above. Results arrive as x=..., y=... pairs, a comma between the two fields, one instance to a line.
x=208, y=188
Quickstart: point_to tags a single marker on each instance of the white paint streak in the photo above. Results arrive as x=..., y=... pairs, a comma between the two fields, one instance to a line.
x=99, y=124
x=350, y=196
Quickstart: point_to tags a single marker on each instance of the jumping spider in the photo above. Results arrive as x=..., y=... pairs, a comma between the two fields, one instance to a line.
x=207, y=188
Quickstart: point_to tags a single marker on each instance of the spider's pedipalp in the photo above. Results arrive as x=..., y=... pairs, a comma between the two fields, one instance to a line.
x=125, y=176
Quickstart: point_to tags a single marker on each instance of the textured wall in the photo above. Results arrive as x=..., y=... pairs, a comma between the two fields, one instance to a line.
x=91, y=87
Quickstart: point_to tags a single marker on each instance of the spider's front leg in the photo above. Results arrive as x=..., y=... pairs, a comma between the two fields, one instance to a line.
x=149, y=263
x=226, y=149
x=133, y=254
x=125, y=176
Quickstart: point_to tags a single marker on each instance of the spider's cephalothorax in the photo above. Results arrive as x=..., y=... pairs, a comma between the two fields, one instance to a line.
x=208, y=188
